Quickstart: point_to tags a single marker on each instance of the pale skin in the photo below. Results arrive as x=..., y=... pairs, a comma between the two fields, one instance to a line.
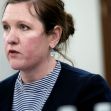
x=27, y=45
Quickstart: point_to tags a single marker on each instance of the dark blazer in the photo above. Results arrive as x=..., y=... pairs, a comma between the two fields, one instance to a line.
x=73, y=87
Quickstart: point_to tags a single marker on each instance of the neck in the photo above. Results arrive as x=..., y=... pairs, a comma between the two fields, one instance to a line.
x=38, y=72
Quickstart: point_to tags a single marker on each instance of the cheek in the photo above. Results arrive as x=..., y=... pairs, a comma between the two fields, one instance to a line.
x=31, y=39
x=31, y=45
x=5, y=44
x=4, y=40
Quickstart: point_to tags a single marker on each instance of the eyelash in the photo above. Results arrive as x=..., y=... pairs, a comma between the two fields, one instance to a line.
x=24, y=27
x=6, y=27
x=21, y=26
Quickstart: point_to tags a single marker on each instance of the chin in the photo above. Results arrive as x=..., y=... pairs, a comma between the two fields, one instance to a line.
x=15, y=67
x=18, y=67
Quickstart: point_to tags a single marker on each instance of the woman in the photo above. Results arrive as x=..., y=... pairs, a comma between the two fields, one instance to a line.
x=32, y=29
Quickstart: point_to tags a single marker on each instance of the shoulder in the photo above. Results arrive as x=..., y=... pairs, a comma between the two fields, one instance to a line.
x=80, y=75
x=77, y=73
x=85, y=82
x=8, y=82
x=6, y=90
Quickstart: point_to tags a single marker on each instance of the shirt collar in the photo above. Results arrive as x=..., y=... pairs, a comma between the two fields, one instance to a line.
x=43, y=84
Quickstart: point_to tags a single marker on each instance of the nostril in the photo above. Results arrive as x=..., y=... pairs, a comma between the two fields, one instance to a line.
x=12, y=42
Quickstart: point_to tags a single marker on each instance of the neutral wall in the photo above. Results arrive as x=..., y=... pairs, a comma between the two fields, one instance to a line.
x=86, y=45
x=85, y=48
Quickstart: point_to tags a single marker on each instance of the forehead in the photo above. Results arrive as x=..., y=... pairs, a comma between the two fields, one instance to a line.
x=23, y=10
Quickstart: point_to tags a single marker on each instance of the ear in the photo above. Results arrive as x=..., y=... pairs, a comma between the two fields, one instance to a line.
x=55, y=36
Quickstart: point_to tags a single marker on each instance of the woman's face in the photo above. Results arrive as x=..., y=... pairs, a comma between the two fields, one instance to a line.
x=26, y=44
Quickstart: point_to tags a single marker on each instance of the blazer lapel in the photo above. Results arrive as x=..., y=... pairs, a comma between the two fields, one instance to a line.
x=60, y=94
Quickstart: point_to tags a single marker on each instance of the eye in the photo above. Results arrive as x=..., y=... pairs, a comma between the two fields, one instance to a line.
x=24, y=27
x=6, y=27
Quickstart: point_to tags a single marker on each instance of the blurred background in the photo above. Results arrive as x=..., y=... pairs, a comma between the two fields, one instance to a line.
x=90, y=47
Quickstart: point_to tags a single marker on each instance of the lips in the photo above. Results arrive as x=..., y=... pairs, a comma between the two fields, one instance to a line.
x=13, y=52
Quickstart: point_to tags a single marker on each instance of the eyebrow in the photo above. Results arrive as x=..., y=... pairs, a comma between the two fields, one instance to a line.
x=3, y=22
x=18, y=21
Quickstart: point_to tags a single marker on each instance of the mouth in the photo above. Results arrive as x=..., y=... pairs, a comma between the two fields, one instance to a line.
x=13, y=52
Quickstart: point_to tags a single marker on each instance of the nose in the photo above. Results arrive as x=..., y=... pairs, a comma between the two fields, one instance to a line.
x=12, y=38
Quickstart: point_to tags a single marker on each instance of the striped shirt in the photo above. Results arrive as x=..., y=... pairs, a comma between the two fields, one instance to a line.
x=32, y=96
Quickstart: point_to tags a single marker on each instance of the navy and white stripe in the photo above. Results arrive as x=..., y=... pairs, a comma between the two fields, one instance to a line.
x=32, y=96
